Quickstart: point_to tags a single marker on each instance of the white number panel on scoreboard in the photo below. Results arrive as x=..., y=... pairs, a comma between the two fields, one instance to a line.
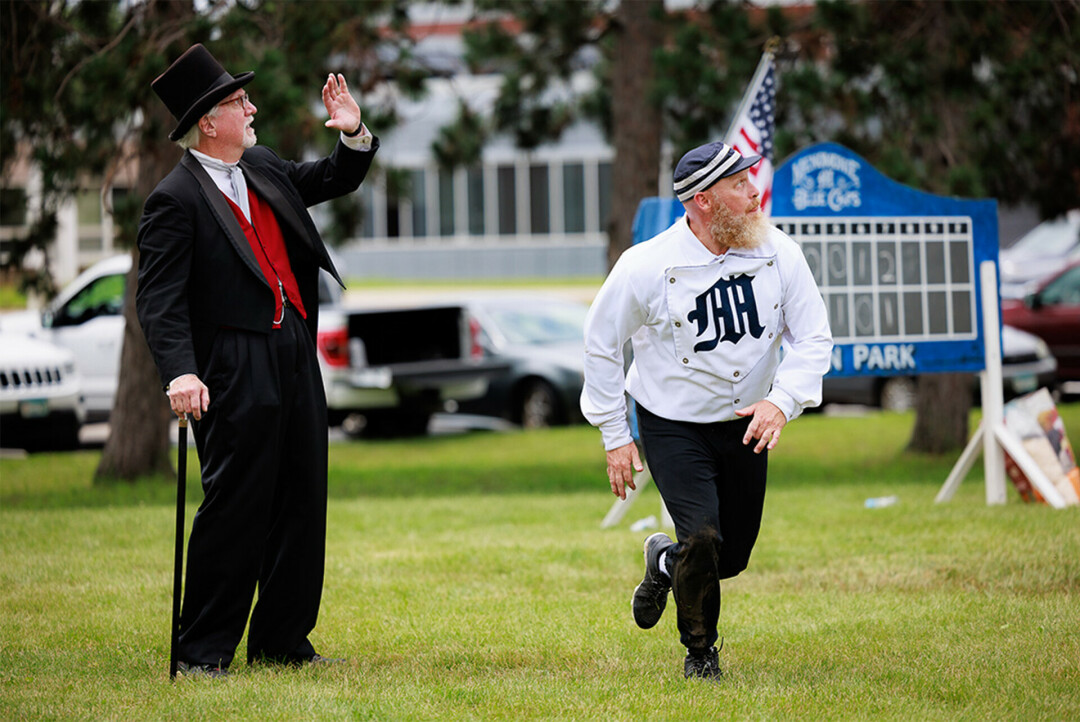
x=890, y=278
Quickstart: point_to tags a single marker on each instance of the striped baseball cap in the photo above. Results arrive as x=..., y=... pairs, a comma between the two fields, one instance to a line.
x=701, y=167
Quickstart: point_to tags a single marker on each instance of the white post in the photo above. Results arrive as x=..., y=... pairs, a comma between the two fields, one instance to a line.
x=992, y=400
x=964, y=463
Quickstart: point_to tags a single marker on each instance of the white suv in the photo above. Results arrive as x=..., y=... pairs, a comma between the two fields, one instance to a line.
x=41, y=405
x=87, y=318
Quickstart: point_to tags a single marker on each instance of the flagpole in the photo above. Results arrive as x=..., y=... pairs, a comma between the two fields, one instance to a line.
x=751, y=91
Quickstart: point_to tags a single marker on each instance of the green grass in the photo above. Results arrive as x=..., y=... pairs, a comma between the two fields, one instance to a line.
x=468, y=578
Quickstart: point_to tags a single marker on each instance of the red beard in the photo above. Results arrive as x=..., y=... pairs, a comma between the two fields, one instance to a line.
x=745, y=231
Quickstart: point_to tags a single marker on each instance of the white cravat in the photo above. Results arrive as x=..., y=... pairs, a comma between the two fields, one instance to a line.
x=229, y=178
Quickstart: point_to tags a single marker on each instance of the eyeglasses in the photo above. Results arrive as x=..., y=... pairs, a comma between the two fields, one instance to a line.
x=240, y=102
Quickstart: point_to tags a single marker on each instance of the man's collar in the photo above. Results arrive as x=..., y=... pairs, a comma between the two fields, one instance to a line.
x=211, y=161
x=696, y=251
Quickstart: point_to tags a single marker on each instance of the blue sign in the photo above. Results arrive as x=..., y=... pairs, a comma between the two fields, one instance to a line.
x=898, y=268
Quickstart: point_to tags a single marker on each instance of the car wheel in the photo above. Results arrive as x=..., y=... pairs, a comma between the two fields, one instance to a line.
x=898, y=394
x=539, y=406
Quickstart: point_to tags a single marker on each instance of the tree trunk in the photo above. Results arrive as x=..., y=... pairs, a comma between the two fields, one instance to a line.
x=138, y=443
x=636, y=122
x=941, y=413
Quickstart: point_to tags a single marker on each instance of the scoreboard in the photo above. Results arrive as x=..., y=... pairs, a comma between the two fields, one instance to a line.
x=898, y=268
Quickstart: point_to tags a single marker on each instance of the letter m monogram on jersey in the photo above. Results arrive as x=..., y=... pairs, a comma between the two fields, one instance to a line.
x=724, y=317
x=726, y=312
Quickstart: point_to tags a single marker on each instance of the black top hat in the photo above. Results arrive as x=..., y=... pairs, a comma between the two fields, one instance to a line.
x=194, y=84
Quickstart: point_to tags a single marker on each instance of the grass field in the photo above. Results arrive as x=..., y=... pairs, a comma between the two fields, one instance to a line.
x=468, y=578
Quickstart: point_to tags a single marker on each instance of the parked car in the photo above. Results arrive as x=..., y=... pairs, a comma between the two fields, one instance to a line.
x=1026, y=363
x=542, y=339
x=1052, y=312
x=86, y=317
x=1041, y=252
x=387, y=371
x=373, y=363
x=41, y=404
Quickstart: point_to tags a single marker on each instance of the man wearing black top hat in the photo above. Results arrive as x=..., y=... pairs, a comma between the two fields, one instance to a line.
x=707, y=304
x=228, y=299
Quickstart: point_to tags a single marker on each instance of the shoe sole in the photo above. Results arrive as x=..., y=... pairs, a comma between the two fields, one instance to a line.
x=645, y=553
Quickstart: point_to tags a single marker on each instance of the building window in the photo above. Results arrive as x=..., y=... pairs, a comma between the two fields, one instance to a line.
x=12, y=207
x=574, y=197
x=418, y=195
x=539, y=203
x=120, y=198
x=88, y=204
x=604, y=172
x=393, y=206
x=367, y=210
x=474, y=179
x=446, y=203
x=507, y=187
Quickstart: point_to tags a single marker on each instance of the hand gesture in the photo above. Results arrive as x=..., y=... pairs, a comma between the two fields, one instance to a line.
x=343, y=110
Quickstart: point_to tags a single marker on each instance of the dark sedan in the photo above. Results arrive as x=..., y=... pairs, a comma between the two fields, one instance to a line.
x=1052, y=313
x=542, y=339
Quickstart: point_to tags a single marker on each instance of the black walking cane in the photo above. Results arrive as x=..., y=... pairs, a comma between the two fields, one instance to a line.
x=181, y=491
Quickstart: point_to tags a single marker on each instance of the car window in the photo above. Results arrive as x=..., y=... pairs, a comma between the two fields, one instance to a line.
x=553, y=324
x=103, y=297
x=1065, y=289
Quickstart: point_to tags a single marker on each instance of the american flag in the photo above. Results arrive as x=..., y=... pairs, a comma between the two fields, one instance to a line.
x=751, y=132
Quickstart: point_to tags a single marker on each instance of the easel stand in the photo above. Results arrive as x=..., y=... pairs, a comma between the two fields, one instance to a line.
x=991, y=433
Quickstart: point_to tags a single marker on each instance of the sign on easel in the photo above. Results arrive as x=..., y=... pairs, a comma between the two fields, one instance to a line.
x=1036, y=422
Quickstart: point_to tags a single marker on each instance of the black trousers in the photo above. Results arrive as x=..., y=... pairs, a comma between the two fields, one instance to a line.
x=262, y=523
x=714, y=488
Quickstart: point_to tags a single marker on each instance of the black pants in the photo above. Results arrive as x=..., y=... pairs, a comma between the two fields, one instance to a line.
x=714, y=488
x=263, y=451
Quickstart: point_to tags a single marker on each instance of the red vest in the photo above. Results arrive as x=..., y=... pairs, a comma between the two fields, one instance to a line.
x=264, y=236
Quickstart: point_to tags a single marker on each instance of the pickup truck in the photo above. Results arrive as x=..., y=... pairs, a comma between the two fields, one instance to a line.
x=385, y=370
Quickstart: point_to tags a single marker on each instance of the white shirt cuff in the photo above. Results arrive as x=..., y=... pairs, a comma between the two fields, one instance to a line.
x=361, y=142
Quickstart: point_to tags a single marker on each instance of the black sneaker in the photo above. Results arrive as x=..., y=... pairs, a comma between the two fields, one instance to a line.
x=201, y=670
x=650, y=597
x=320, y=661
x=702, y=665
